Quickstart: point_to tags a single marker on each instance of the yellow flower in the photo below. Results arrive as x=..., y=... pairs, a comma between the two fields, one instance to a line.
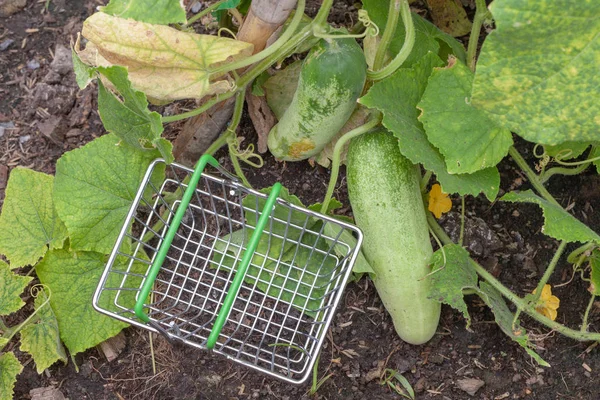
x=439, y=202
x=547, y=303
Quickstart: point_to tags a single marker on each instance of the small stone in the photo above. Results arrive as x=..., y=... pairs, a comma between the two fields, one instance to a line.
x=24, y=138
x=33, y=64
x=63, y=60
x=4, y=126
x=196, y=7
x=73, y=133
x=5, y=44
x=470, y=385
x=305, y=186
x=47, y=393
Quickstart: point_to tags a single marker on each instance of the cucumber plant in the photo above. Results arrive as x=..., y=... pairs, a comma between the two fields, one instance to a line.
x=424, y=101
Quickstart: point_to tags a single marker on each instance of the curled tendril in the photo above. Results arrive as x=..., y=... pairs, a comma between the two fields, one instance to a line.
x=371, y=28
x=36, y=289
x=228, y=31
x=246, y=155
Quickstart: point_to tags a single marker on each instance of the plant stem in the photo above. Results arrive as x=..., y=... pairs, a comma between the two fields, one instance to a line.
x=521, y=304
x=544, y=177
x=425, y=180
x=217, y=144
x=584, y=324
x=283, y=39
x=204, y=12
x=246, y=78
x=388, y=33
x=532, y=176
x=462, y=221
x=409, y=41
x=548, y=272
x=481, y=14
x=337, y=151
x=321, y=17
x=232, y=140
x=572, y=257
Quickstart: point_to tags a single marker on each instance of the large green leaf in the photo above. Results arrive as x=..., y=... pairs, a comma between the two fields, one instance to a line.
x=11, y=287
x=537, y=73
x=29, y=224
x=10, y=367
x=452, y=272
x=469, y=140
x=165, y=63
x=72, y=278
x=558, y=223
x=41, y=339
x=506, y=320
x=397, y=97
x=130, y=118
x=152, y=11
x=428, y=38
x=94, y=188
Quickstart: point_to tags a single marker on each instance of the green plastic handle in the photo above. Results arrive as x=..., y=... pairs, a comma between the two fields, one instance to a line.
x=166, y=244
x=243, y=267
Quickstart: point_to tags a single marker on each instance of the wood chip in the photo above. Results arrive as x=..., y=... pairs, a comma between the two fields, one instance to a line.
x=470, y=385
x=112, y=347
x=47, y=393
x=586, y=367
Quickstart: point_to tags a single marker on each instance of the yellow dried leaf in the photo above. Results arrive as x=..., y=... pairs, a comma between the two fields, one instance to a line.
x=163, y=62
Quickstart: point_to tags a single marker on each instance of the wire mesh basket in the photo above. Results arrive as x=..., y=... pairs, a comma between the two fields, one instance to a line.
x=208, y=262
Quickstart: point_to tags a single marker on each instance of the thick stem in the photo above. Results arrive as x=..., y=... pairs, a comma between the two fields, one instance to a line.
x=246, y=78
x=388, y=33
x=574, y=255
x=521, y=304
x=409, y=41
x=232, y=141
x=337, y=151
x=531, y=175
x=544, y=177
x=481, y=14
x=425, y=180
x=321, y=17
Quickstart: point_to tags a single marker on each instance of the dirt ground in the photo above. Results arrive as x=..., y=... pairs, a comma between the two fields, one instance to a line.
x=43, y=115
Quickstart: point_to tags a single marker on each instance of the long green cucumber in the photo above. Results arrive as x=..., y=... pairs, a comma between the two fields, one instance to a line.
x=331, y=80
x=386, y=201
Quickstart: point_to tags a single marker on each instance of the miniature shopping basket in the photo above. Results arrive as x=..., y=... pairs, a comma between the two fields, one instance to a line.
x=206, y=261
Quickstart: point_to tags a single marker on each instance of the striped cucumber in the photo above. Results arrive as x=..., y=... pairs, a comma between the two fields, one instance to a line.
x=331, y=80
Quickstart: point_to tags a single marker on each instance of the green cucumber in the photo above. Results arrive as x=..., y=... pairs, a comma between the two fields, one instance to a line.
x=387, y=204
x=331, y=80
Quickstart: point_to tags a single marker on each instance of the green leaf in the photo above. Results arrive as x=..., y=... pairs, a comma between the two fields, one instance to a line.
x=280, y=88
x=467, y=138
x=537, y=73
x=72, y=278
x=558, y=223
x=226, y=5
x=10, y=367
x=162, y=12
x=428, y=38
x=130, y=118
x=504, y=318
x=595, y=274
x=3, y=342
x=84, y=74
x=29, y=223
x=450, y=276
x=41, y=339
x=567, y=150
x=397, y=97
x=11, y=287
x=94, y=188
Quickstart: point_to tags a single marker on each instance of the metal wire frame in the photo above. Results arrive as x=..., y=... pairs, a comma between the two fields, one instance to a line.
x=285, y=306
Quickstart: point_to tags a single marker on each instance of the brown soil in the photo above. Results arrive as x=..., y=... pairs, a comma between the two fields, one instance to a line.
x=51, y=117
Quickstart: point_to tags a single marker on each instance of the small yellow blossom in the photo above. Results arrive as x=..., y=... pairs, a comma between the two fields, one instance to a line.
x=439, y=202
x=547, y=303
